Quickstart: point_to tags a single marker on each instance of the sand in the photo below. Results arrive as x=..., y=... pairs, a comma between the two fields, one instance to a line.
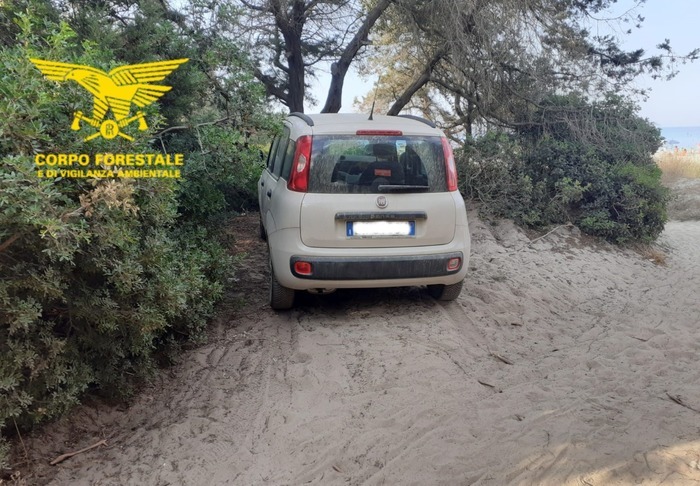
x=563, y=362
x=685, y=201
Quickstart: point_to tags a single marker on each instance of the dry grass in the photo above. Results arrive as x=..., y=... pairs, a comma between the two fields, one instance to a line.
x=652, y=253
x=681, y=174
x=679, y=164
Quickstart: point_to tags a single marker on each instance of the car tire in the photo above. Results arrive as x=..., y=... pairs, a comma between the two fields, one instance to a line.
x=263, y=234
x=281, y=297
x=445, y=292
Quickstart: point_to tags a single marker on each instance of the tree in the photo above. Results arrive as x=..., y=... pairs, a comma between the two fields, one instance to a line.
x=290, y=38
x=494, y=60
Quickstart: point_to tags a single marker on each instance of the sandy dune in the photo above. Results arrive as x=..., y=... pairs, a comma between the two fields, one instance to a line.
x=563, y=362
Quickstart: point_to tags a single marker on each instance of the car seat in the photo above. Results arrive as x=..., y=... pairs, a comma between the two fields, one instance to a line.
x=412, y=165
x=386, y=166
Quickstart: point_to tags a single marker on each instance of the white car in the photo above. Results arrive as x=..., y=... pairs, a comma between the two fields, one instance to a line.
x=351, y=201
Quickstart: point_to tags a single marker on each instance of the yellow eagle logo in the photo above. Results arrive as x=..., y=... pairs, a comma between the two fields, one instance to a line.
x=115, y=91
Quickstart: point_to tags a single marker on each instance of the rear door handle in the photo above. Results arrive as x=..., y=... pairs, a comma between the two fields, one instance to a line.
x=269, y=193
x=262, y=183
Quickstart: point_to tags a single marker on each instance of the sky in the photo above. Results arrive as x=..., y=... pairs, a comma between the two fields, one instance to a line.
x=674, y=103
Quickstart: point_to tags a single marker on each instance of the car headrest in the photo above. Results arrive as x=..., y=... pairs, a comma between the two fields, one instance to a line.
x=384, y=150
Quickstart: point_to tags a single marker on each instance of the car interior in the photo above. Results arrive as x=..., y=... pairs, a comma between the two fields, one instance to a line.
x=383, y=166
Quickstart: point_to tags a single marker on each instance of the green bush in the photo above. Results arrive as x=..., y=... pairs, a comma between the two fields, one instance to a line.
x=221, y=178
x=98, y=278
x=632, y=207
x=581, y=162
x=491, y=168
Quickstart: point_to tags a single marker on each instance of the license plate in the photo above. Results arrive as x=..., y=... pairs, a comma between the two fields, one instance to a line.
x=380, y=228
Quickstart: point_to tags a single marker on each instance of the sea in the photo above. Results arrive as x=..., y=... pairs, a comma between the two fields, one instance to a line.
x=681, y=137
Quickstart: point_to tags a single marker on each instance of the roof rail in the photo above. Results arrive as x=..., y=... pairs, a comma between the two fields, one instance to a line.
x=304, y=117
x=420, y=119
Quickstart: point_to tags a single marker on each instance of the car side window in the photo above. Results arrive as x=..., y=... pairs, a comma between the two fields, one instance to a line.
x=288, y=159
x=280, y=153
x=272, y=152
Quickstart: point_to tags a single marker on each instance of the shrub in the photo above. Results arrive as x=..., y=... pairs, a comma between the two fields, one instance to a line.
x=223, y=177
x=581, y=162
x=96, y=276
x=492, y=174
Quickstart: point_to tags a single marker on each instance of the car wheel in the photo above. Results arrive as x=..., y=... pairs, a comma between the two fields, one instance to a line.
x=281, y=297
x=263, y=234
x=445, y=292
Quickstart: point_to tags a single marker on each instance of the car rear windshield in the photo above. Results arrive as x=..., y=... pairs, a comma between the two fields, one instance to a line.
x=354, y=164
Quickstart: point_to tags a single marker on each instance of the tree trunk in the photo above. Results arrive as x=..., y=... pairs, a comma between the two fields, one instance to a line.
x=291, y=26
x=421, y=81
x=295, y=61
x=340, y=68
x=467, y=118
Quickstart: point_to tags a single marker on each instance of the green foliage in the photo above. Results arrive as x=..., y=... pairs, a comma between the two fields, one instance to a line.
x=630, y=207
x=586, y=163
x=493, y=174
x=221, y=175
x=102, y=280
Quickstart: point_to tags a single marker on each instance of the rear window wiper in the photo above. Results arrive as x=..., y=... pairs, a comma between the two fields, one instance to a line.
x=402, y=188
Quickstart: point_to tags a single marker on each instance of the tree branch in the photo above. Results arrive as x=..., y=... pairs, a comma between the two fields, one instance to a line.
x=252, y=6
x=421, y=81
x=8, y=242
x=340, y=68
x=271, y=87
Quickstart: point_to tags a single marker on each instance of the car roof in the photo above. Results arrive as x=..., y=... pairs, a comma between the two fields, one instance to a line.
x=341, y=123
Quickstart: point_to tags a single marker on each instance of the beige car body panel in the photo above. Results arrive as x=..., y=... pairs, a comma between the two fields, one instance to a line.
x=321, y=229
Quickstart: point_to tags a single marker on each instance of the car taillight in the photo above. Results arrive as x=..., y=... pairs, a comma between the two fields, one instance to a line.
x=303, y=268
x=454, y=264
x=299, y=178
x=450, y=168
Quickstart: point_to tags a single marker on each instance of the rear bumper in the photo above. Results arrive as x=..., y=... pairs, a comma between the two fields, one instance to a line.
x=377, y=268
x=367, y=267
